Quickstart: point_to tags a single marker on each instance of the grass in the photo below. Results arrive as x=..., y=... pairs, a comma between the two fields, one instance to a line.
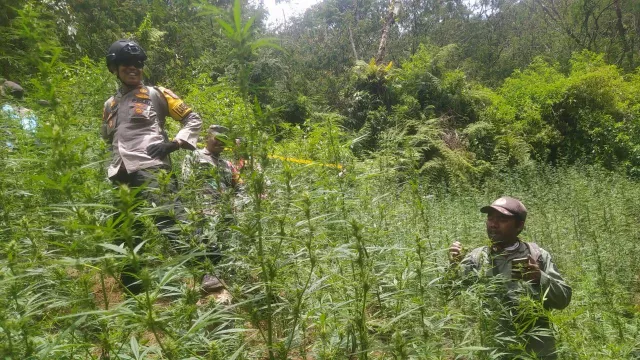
x=323, y=265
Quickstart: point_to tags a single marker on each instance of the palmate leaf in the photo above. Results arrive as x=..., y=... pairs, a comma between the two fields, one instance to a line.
x=238, y=352
x=205, y=319
x=228, y=29
x=170, y=275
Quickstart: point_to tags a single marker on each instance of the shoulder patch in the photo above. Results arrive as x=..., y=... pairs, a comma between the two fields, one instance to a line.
x=181, y=109
x=109, y=110
x=169, y=92
x=177, y=108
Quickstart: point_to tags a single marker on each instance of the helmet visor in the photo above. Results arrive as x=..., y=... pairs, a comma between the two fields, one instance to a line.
x=138, y=64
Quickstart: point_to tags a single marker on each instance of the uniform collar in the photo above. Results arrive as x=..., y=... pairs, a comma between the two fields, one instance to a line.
x=509, y=249
x=206, y=152
x=123, y=89
x=513, y=247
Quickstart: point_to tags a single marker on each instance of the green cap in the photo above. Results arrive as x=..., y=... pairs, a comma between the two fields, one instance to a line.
x=218, y=131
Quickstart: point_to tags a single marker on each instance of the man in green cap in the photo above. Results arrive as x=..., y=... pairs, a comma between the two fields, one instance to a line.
x=520, y=269
x=218, y=181
x=222, y=174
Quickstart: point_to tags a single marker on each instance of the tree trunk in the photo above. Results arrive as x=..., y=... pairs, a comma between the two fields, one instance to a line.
x=622, y=32
x=356, y=18
x=353, y=45
x=385, y=32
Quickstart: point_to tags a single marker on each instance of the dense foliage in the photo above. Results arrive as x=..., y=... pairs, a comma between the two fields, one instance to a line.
x=360, y=174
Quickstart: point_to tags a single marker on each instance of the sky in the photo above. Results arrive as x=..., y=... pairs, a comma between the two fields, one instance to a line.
x=290, y=8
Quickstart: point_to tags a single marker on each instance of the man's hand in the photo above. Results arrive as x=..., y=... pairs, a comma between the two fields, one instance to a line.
x=532, y=271
x=455, y=252
x=528, y=271
x=161, y=150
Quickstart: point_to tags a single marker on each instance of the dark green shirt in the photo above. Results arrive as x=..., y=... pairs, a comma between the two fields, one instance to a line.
x=486, y=261
x=490, y=263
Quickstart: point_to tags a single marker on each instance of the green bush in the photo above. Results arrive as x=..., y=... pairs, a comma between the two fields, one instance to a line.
x=585, y=116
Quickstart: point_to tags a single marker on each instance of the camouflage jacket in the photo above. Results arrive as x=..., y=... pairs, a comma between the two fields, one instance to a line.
x=218, y=176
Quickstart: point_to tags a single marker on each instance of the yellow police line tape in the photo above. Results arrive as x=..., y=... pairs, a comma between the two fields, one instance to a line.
x=293, y=160
x=304, y=161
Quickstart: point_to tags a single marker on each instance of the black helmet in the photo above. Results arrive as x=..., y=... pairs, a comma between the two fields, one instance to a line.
x=123, y=51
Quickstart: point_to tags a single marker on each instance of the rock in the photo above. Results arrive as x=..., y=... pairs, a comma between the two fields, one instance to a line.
x=13, y=89
x=43, y=102
x=211, y=283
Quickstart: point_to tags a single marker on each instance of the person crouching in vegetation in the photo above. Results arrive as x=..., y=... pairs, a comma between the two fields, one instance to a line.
x=522, y=271
x=219, y=181
x=133, y=126
x=15, y=113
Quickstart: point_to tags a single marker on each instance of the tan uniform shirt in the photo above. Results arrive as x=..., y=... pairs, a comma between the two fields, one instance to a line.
x=134, y=120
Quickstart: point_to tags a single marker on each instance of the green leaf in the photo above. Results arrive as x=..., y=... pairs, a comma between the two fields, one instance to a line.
x=118, y=249
x=237, y=15
x=265, y=42
x=471, y=348
x=139, y=246
x=208, y=9
x=135, y=348
x=228, y=29
x=247, y=26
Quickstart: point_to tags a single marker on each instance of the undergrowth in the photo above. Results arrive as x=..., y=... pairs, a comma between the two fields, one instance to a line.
x=330, y=258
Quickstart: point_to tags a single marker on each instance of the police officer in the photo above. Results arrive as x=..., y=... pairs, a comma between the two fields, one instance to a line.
x=219, y=181
x=134, y=119
x=522, y=268
x=133, y=125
